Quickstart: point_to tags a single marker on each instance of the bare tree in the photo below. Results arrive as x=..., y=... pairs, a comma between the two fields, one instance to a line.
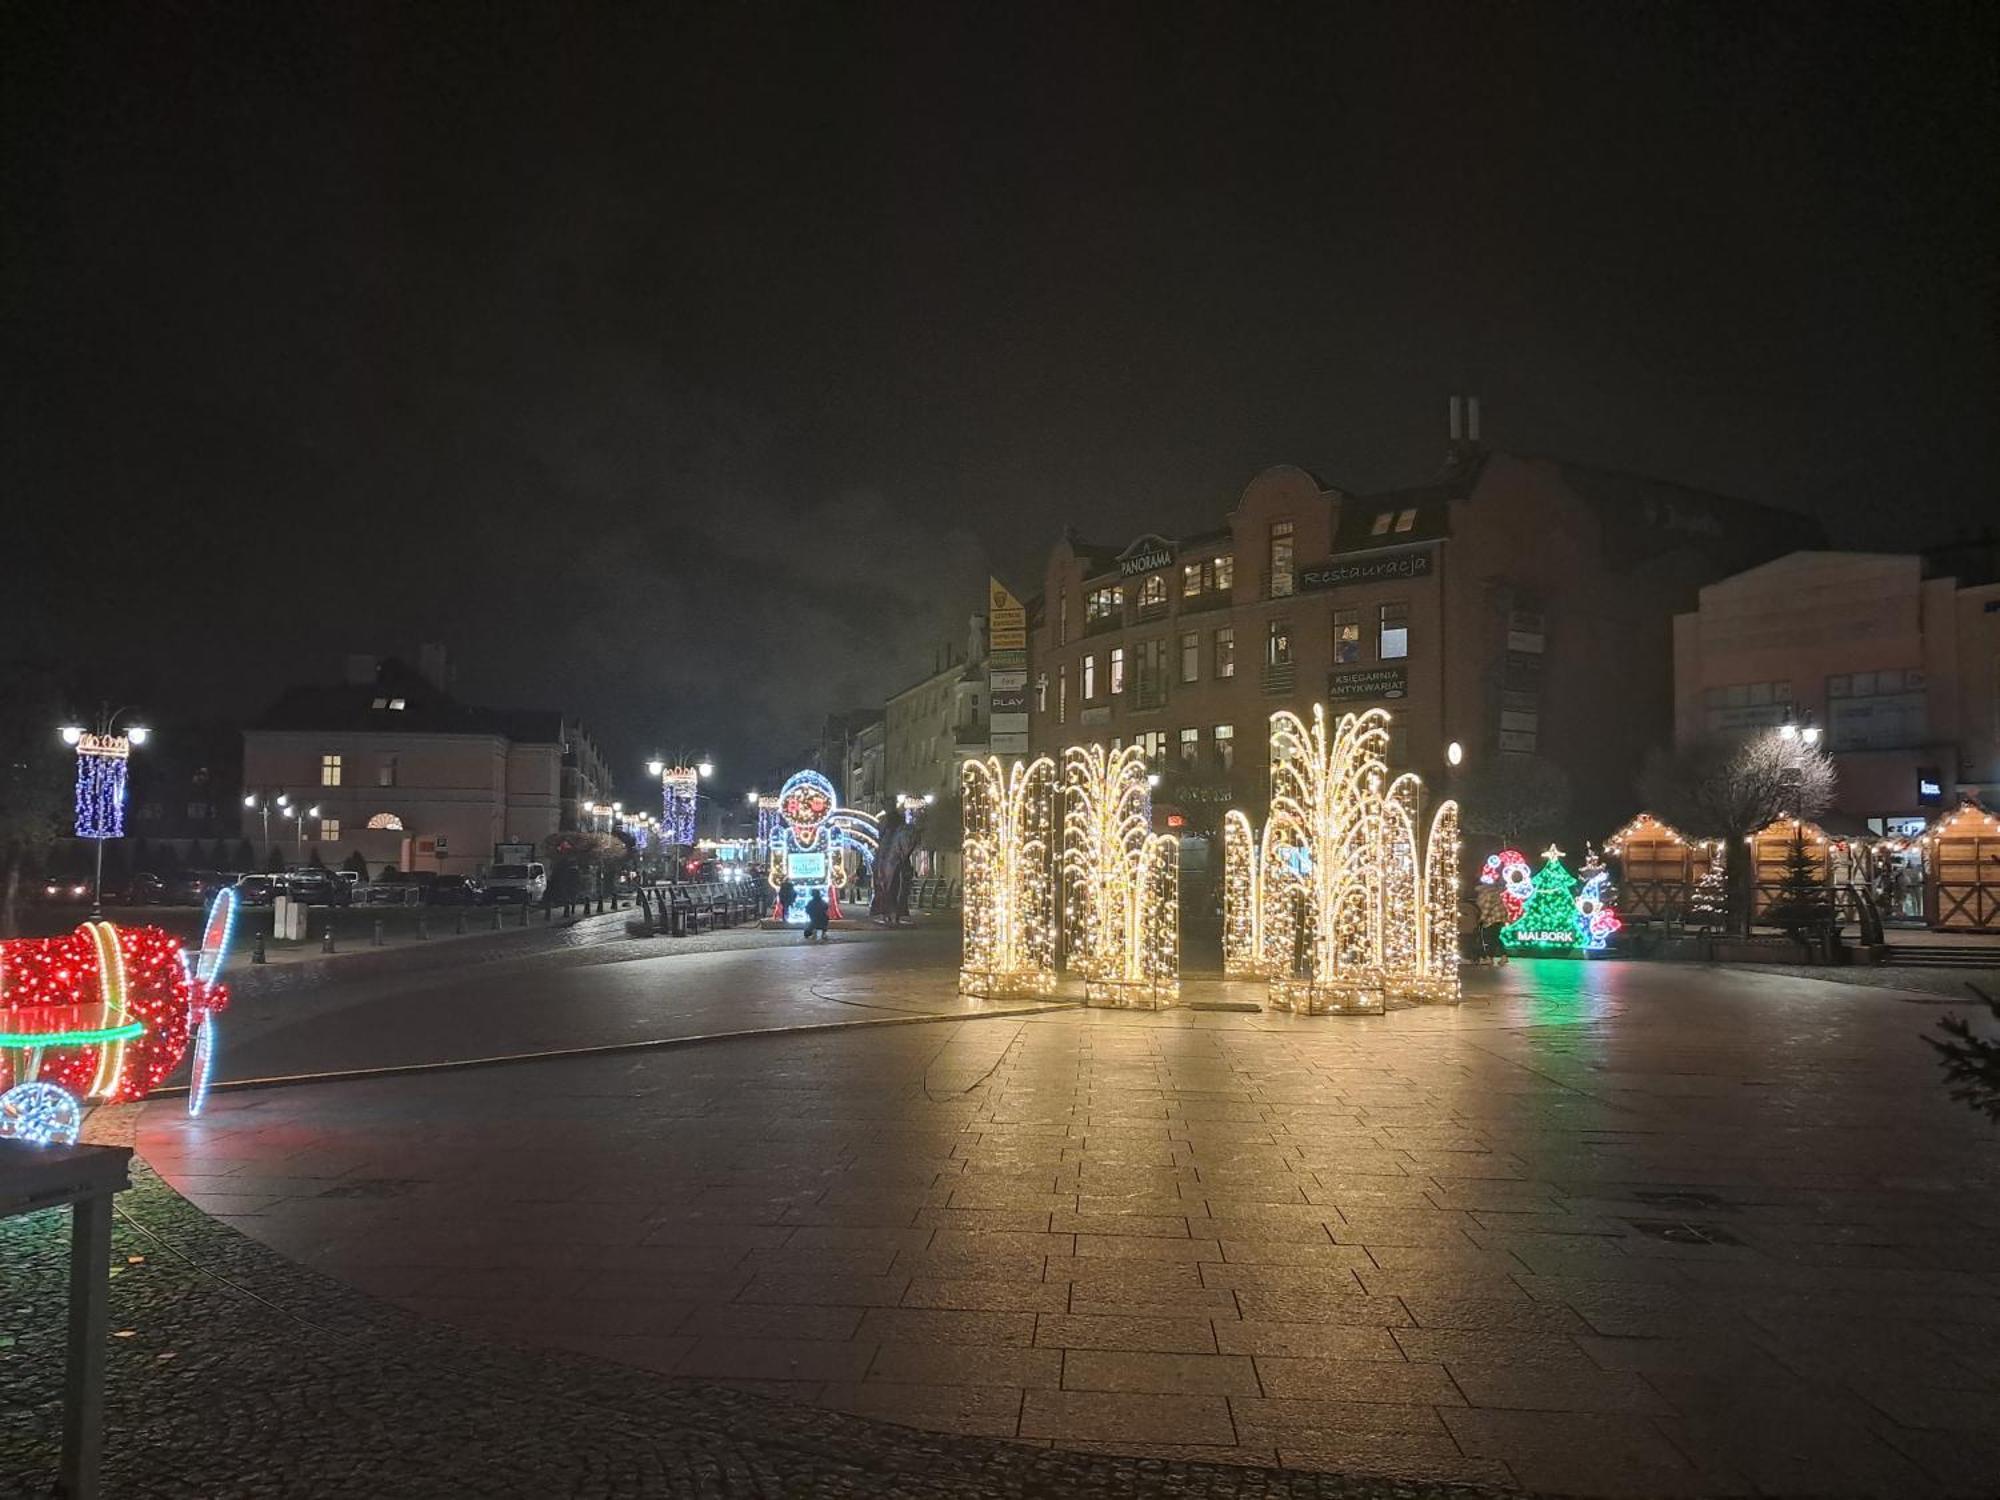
x=1513, y=798
x=1730, y=788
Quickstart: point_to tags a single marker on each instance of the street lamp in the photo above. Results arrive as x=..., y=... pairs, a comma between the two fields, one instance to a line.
x=1454, y=753
x=298, y=816
x=102, y=754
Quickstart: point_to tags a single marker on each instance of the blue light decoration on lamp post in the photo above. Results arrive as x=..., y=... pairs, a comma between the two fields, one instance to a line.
x=102, y=758
x=680, y=794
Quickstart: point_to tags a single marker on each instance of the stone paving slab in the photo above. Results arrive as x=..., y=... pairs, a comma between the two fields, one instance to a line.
x=235, y=1373
x=1603, y=1232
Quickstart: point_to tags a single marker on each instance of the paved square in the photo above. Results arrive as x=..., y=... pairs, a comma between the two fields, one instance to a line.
x=1606, y=1229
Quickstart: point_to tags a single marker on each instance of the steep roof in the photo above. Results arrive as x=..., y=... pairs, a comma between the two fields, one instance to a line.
x=368, y=708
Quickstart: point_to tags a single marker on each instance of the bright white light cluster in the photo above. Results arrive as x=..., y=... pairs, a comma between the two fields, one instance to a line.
x=1009, y=900
x=1121, y=881
x=1338, y=908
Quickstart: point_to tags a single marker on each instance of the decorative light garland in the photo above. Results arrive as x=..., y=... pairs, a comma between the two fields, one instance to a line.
x=101, y=762
x=1242, y=911
x=1121, y=881
x=1008, y=906
x=679, y=789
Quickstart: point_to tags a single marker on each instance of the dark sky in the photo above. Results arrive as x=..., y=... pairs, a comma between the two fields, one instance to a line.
x=686, y=367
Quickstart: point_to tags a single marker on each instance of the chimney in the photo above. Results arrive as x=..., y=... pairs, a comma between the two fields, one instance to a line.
x=431, y=664
x=360, y=669
x=1457, y=418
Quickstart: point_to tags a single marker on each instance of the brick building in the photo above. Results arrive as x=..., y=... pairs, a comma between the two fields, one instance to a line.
x=1515, y=605
x=1900, y=671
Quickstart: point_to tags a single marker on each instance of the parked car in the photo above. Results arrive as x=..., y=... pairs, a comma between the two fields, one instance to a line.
x=194, y=887
x=515, y=883
x=146, y=889
x=317, y=887
x=452, y=890
x=259, y=890
x=392, y=888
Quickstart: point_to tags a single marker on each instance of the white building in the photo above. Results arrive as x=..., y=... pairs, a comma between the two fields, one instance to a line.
x=408, y=776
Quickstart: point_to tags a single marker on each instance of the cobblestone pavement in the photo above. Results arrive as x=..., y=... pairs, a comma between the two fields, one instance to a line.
x=1606, y=1229
x=234, y=1373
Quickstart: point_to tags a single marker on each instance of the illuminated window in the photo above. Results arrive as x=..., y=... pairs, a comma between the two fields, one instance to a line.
x=1062, y=695
x=1089, y=678
x=1042, y=693
x=1190, y=579
x=1225, y=651
x=1225, y=573
x=1278, y=644
x=398, y=704
x=1406, y=519
x=329, y=830
x=329, y=770
x=1395, y=631
x=1281, y=575
x=1117, y=670
x=1190, y=656
x=1153, y=593
x=1225, y=745
x=1382, y=520
x=386, y=823
x=1190, y=747
x=1153, y=745
x=1346, y=635
x=1103, y=604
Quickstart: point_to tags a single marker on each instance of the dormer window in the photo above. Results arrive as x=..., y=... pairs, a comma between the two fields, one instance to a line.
x=1405, y=519
x=398, y=704
x=1382, y=520
x=380, y=703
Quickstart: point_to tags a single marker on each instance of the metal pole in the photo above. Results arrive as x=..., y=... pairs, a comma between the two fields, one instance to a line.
x=97, y=882
x=89, y=1287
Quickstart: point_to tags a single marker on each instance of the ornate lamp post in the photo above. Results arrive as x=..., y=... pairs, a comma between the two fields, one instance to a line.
x=102, y=754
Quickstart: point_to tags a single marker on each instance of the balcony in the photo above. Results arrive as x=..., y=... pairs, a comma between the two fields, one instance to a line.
x=1280, y=678
x=1103, y=624
x=1194, y=604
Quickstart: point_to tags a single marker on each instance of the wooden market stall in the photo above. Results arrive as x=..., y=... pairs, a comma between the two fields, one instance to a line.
x=1962, y=872
x=1657, y=868
x=1838, y=859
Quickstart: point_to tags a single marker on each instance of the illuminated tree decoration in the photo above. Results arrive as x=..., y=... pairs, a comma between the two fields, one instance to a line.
x=1549, y=922
x=1121, y=882
x=679, y=786
x=1242, y=952
x=101, y=761
x=1009, y=893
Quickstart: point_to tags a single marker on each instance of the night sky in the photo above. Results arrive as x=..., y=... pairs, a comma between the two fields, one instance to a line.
x=687, y=368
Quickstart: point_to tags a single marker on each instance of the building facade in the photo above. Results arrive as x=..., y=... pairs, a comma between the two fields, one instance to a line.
x=1901, y=673
x=1515, y=606
x=407, y=776
x=935, y=725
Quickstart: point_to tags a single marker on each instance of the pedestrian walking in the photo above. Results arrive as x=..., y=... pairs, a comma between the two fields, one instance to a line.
x=816, y=910
x=787, y=894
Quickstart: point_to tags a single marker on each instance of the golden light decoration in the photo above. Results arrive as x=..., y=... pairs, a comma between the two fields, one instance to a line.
x=1338, y=906
x=1009, y=893
x=1121, y=881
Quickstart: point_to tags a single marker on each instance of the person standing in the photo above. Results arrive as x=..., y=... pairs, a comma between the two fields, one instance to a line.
x=787, y=894
x=816, y=912
x=1492, y=917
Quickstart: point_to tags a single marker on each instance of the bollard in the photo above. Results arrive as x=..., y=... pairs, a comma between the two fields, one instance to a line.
x=423, y=927
x=548, y=913
x=459, y=925
x=378, y=932
x=524, y=914
x=257, y=951
x=496, y=919
x=326, y=938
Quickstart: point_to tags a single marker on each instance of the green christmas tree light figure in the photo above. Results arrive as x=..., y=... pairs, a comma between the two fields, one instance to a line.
x=1548, y=923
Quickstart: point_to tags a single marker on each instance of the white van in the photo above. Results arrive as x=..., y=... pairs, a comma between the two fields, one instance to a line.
x=525, y=883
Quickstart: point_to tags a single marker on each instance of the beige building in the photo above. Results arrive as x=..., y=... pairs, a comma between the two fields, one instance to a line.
x=410, y=777
x=933, y=726
x=1900, y=672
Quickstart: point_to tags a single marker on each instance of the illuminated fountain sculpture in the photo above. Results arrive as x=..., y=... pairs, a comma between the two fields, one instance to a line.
x=1121, y=881
x=1338, y=908
x=1009, y=900
x=107, y=1013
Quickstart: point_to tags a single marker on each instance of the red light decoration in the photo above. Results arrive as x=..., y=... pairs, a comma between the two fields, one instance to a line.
x=159, y=992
